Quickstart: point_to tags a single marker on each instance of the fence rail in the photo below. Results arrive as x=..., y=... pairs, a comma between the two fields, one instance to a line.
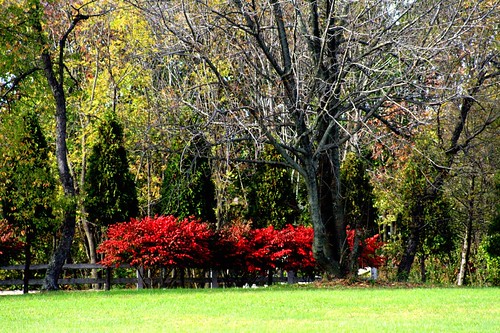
x=107, y=280
x=140, y=280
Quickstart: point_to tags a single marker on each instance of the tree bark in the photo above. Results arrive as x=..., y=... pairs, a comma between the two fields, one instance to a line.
x=27, y=256
x=69, y=222
x=412, y=245
x=462, y=275
x=323, y=250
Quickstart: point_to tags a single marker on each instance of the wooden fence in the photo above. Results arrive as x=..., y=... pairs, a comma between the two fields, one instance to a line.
x=106, y=278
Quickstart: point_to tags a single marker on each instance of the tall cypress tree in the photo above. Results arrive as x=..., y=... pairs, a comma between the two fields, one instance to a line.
x=187, y=187
x=110, y=193
x=493, y=246
x=357, y=195
x=271, y=196
x=27, y=186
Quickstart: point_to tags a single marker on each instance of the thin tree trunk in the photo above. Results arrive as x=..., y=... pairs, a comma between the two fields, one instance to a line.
x=354, y=255
x=423, y=270
x=27, y=263
x=89, y=235
x=462, y=275
x=56, y=84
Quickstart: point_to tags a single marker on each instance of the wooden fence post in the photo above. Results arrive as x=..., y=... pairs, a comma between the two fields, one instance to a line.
x=214, y=275
x=140, y=279
x=107, y=285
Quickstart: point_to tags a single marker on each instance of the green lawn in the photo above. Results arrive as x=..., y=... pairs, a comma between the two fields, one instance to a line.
x=277, y=309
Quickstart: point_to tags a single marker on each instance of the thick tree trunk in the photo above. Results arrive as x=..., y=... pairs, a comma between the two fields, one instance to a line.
x=412, y=245
x=323, y=249
x=69, y=223
x=61, y=252
x=330, y=206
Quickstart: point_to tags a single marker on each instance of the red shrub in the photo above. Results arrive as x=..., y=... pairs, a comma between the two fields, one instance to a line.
x=161, y=241
x=368, y=249
x=165, y=241
x=263, y=246
x=10, y=245
x=294, y=246
x=258, y=250
x=231, y=246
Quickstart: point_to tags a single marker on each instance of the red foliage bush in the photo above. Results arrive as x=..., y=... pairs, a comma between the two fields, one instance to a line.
x=259, y=250
x=161, y=241
x=294, y=246
x=10, y=245
x=368, y=249
x=165, y=241
x=231, y=245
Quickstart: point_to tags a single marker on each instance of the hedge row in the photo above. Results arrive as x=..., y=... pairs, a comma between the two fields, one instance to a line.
x=165, y=241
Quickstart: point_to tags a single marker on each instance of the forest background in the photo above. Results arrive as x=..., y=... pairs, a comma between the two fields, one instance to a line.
x=374, y=114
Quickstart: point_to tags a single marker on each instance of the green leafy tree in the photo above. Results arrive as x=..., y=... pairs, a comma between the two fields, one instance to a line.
x=35, y=37
x=493, y=247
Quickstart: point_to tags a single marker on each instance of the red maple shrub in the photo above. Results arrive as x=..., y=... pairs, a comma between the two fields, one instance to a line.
x=165, y=241
x=10, y=245
x=162, y=241
x=231, y=246
x=294, y=246
x=263, y=246
x=368, y=256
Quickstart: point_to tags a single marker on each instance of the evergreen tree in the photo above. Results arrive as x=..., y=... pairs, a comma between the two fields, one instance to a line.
x=493, y=246
x=110, y=193
x=357, y=195
x=271, y=196
x=421, y=208
x=188, y=189
x=27, y=187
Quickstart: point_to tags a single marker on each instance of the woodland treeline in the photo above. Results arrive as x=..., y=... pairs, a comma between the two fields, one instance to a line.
x=376, y=116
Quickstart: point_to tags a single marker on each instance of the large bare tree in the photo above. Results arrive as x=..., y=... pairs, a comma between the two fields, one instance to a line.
x=307, y=76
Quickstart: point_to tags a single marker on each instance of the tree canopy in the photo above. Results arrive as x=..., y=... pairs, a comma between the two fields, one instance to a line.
x=377, y=115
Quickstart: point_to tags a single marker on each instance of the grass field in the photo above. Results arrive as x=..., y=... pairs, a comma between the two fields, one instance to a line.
x=277, y=309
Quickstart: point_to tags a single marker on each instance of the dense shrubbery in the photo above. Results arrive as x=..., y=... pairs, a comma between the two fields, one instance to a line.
x=10, y=245
x=368, y=249
x=169, y=242
x=166, y=241
x=163, y=241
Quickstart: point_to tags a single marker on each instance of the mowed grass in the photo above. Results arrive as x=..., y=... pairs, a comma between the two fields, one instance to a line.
x=277, y=309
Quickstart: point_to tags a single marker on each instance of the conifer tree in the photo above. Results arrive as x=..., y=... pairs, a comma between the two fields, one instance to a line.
x=188, y=189
x=110, y=193
x=27, y=186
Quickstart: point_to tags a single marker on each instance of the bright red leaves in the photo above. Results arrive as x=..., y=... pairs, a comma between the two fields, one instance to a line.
x=165, y=241
x=368, y=249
